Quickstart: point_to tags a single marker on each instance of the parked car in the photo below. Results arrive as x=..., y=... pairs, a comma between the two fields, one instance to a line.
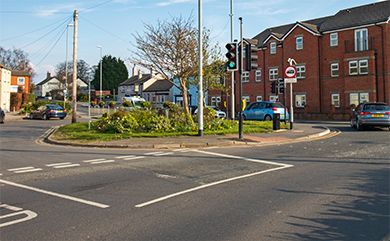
x=2, y=116
x=264, y=110
x=48, y=111
x=218, y=113
x=371, y=114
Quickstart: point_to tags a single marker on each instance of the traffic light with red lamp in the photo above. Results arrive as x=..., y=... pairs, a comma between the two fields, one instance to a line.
x=232, y=55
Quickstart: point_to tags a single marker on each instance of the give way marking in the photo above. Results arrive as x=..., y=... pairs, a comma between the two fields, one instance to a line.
x=15, y=212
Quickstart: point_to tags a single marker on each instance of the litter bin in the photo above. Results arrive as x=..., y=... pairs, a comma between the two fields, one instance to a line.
x=276, y=121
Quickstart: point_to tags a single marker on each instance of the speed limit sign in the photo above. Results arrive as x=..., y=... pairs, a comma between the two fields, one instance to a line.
x=290, y=71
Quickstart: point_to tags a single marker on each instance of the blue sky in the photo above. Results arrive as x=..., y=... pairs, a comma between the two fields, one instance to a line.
x=39, y=27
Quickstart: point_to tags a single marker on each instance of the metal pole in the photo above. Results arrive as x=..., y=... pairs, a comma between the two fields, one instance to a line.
x=74, y=80
x=240, y=127
x=200, y=92
x=66, y=63
x=101, y=71
x=291, y=107
x=231, y=40
x=89, y=105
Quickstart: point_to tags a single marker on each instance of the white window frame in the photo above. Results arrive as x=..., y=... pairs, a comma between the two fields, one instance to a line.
x=272, y=47
x=334, y=70
x=300, y=100
x=273, y=74
x=245, y=76
x=334, y=39
x=363, y=66
x=21, y=80
x=353, y=67
x=258, y=75
x=218, y=100
x=259, y=98
x=357, y=98
x=246, y=98
x=361, y=39
x=301, y=72
x=335, y=98
x=213, y=101
x=273, y=98
x=299, y=43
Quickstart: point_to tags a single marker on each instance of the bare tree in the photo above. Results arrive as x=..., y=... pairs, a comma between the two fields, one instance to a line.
x=16, y=59
x=171, y=48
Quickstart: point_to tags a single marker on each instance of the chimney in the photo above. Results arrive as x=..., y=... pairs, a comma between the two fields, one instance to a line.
x=152, y=72
x=134, y=70
x=139, y=74
x=48, y=75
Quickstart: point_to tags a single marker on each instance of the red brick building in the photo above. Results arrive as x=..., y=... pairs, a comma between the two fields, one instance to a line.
x=341, y=60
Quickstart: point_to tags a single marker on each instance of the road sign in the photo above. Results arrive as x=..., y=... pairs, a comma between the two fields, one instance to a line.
x=290, y=80
x=290, y=71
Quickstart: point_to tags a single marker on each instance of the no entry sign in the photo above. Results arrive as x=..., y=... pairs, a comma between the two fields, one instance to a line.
x=290, y=71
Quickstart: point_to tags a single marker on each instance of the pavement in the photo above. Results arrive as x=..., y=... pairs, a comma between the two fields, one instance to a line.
x=302, y=131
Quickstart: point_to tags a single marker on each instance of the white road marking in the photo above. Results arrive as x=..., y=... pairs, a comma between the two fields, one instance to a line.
x=24, y=169
x=99, y=162
x=18, y=211
x=281, y=166
x=58, y=164
x=66, y=166
x=127, y=158
x=99, y=205
x=153, y=153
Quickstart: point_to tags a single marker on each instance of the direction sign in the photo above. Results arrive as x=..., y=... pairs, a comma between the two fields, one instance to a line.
x=290, y=71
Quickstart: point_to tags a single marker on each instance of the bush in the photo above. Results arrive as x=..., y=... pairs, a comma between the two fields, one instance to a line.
x=126, y=103
x=158, y=124
x=101, y=103
x=119, y=122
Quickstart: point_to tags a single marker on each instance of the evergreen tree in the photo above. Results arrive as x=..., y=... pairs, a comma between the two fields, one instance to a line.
x=114, y=72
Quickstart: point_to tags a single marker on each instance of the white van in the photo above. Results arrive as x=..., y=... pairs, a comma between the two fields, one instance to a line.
x=136, y=101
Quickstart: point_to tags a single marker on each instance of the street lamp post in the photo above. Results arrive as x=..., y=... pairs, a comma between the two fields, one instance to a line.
x=101, y=62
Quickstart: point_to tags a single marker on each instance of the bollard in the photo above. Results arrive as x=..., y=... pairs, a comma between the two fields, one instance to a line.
x=276, y=121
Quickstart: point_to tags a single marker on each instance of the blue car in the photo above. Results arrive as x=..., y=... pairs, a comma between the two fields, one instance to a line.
x=48, y=111
x=264, y=110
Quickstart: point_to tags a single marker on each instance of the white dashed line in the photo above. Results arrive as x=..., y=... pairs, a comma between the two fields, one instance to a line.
x=62, y=165
x=24, y=169
x=99, y=161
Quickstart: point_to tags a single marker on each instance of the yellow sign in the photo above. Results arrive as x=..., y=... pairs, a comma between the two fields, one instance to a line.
x=243, y=104
x=224, y=104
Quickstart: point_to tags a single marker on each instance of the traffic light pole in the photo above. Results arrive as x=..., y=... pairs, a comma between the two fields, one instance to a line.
x=231, y=40
x=240, y=127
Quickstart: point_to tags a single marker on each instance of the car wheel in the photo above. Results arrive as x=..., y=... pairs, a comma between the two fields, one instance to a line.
x=31, y=116
x=44, y=117
x=243, y=117
x=62, y=118
x=359, y=127
x=352, y=123
x=267, y=118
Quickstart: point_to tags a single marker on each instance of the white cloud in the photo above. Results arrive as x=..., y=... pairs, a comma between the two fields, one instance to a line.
x=170, y=2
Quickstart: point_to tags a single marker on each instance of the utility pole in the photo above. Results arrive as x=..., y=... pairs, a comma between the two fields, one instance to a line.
x=74, y=97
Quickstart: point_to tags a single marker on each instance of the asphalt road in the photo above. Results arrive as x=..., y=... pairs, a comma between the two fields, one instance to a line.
x=334, y=188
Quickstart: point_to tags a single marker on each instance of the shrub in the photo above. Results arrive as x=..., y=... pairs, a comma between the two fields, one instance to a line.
x=101, y=103
x=158, y=124
x=118, y=122
x=126, y=103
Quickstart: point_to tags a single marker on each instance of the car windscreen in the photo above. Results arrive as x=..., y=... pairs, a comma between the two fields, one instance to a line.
x=54, y=107
x=376, y=107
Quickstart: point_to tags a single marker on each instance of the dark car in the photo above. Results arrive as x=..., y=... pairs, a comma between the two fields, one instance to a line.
x=371, y=114
x=264, y=110
x=2, y=116
x=48, y=111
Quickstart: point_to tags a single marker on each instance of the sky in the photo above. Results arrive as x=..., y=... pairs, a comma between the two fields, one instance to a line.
x=39, y=27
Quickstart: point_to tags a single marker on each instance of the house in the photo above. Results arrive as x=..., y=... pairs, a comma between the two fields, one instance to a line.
x=5, y=87
x=153, y=87
x=52, y=85
x=20, y=78
x=341, y=60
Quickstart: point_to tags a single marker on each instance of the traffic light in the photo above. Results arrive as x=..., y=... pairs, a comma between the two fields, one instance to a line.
x=281, y=86
x=273, y=87
x=232, y=55
x=251, y=59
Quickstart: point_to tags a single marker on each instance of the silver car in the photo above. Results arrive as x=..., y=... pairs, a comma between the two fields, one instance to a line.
x=371, y=114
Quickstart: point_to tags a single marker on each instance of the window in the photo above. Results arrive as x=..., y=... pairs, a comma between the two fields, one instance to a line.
x=259, y=98
x=273, y=48
x=20, y=80
x=273, y=74
x=334, y=69
x=246, y=98
x=273, y=98
x=213, y=101
x=358, y=67
x=356, y=98
x=300, y=100
x=353, y=67
x=334, y=39
x=336, y=100
x=299, y=43
x=258, y=75
x=363, y=66
x=361, y=40
x=218, y=100
x=301, y=72
x=245, y=76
